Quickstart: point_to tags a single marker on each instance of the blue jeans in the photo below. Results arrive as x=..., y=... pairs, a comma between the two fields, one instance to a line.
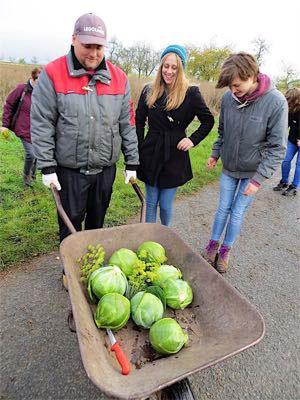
x=232, y=208
x=291, y=151
x=162, y=197
x=30, y=160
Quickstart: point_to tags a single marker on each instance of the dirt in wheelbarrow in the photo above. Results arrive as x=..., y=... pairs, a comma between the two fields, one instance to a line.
x=136, y=342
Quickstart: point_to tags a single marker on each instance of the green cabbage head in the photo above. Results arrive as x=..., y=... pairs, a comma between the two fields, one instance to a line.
x=146, y=309
x=167, y=337
x=113, y=311
x=178, y=293
x=125, y=259
x=165, y=272
x=105, y=280
x=152, y=252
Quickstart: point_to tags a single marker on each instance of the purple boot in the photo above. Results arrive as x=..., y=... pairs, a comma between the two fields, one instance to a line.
x=211, y=251
x=223, y=259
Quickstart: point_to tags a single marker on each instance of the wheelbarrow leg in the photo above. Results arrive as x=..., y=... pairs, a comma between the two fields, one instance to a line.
x=64, y=281
x=71, y=322
x=178, y=391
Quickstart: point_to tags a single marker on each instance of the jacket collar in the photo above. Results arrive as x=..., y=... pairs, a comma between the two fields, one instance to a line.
x=101, y=74
x=28, y=86
x=264, y=86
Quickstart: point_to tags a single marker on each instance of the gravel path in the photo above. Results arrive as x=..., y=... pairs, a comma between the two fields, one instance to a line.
x=40, y=358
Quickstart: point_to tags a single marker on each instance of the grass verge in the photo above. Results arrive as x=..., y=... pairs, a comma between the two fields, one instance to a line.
x=28, y=216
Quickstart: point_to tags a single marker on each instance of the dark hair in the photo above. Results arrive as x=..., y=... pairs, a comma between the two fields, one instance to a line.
x=293, y=99
x=242, y=65
x=35, y=73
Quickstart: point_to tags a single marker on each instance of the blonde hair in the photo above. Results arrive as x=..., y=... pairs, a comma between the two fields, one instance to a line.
x=176, y=93
x=293, y=99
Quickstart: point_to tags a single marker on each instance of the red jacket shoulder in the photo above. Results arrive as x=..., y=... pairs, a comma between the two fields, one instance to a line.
x=59, y=63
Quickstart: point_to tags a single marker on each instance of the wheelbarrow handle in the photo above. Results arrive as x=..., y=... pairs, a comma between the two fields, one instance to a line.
x=141, y=197
x=61, y=210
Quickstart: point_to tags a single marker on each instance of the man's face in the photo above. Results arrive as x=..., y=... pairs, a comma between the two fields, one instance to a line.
x=239, y=88
x=89, y=55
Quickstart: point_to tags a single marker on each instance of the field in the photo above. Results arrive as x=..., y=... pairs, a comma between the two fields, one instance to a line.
x=12, y=74
x=28, y=216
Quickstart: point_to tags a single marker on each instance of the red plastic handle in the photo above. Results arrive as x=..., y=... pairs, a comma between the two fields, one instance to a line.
x=122, y=359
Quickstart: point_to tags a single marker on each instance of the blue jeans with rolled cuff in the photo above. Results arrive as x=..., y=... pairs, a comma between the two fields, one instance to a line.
x=164, y=198
x=291, y=151
x=232, y=208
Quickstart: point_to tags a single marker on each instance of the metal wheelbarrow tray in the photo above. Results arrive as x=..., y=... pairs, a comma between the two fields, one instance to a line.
x=220, y=322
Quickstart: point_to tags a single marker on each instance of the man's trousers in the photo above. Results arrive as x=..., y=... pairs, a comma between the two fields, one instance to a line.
x=85, y=198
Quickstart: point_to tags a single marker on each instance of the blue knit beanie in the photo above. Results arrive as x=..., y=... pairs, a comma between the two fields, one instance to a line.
x=179, y=50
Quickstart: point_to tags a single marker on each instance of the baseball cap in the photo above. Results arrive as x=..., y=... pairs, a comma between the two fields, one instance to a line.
x=90, y=29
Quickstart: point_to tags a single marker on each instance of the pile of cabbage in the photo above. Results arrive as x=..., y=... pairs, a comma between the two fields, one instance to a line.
x=138, y=285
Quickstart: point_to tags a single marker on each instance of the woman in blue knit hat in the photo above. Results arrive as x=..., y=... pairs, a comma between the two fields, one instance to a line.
x=169, y=105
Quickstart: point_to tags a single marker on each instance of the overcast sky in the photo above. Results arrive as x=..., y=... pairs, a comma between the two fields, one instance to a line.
x=43, y=29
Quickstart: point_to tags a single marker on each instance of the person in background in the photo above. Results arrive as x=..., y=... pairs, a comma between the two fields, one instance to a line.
x=81, y=117
x=293, y=146
x=251, y=144
x=16, y=117
x=169, y=105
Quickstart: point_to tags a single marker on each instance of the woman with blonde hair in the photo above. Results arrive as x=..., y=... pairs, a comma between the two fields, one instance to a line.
x=293, y=146
x=169, y=105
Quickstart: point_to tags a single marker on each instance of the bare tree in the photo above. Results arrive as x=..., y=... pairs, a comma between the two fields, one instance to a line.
x=285, y=81
x=139, y=50
x=127, y=60
x=34, y=60
x=115, y=51
x=150, y=62
x=145, y=58
x=261, y=48
x=139, y=57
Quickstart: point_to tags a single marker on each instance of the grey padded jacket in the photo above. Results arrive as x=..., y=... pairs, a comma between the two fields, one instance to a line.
x=82, y=122
x=252, y=139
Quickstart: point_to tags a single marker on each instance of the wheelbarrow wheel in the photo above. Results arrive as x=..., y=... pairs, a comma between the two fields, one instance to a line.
x=178, y=391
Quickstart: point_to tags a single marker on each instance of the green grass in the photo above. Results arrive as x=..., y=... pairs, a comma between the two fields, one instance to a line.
x=28, y=216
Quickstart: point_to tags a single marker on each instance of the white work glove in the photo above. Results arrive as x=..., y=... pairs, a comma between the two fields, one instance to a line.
x=129, y=174
x=51, y=178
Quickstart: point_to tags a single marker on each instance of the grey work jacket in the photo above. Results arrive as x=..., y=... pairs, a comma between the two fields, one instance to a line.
x=82, y=122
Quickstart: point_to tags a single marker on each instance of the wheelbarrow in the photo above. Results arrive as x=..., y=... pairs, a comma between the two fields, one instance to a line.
x=220, y=322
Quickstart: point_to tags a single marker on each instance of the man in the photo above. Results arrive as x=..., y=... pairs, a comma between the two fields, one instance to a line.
x=81, y=117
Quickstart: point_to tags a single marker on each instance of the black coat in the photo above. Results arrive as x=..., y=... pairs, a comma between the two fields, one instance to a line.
x=294, y=125
x=161, y=162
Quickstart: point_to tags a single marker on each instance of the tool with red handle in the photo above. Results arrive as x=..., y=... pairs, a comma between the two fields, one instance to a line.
x=121, y=357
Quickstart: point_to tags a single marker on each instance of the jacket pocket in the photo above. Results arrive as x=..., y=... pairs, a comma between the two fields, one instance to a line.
x=251, y=159
x=254, y=118
x=66, y=141
x=116, y=142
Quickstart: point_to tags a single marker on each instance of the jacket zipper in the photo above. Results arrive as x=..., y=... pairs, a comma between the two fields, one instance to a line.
x=88, y=100
x=239, y=139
